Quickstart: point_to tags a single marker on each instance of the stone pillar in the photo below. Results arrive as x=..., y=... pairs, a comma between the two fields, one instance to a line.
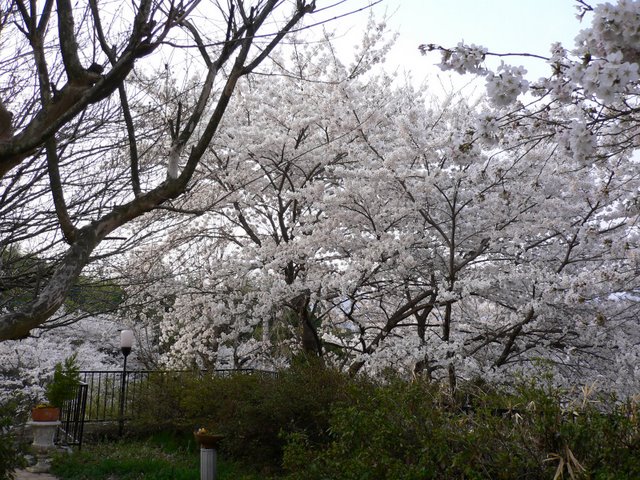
x=208, y=463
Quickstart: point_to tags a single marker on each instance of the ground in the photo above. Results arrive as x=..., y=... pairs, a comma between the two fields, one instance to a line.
x=24, y=475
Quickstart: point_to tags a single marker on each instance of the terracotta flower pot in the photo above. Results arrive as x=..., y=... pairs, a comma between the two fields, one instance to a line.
x=208, y=440
x=45, y=414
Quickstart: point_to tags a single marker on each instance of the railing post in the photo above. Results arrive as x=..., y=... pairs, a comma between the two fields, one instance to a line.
x=72, y=418
x=123, y=386
x=82, y=408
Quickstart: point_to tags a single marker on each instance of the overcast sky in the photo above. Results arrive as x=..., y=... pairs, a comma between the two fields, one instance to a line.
x=500, y=25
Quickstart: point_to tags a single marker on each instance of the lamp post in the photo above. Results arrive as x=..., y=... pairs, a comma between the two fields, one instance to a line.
x=126, y=341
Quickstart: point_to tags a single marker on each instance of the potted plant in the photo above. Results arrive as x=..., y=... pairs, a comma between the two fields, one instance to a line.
x=62, y=387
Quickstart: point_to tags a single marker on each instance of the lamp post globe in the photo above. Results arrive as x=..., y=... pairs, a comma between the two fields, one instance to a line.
x=126, y=342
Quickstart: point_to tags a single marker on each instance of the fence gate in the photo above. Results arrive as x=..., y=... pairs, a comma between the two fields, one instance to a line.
x=72, y=419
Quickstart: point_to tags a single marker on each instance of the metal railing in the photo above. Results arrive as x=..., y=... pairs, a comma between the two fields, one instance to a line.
x=108, y=391
x=104, y=396
x=72, y=417
x=108, y=401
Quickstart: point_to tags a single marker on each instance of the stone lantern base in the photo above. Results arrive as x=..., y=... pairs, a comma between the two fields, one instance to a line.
x=43, y=436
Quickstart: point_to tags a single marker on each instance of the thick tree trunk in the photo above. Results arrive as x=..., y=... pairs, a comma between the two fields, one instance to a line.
x=15, y=325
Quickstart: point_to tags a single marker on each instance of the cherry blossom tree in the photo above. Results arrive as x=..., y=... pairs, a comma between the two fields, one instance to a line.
x=355, y=219
x=498, y=245
x=258, y=208
x=414, y=243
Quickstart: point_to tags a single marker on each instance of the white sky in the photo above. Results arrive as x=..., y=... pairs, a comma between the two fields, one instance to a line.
x=504, y=26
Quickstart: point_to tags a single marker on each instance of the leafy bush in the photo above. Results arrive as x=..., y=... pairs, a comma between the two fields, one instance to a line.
x=252, y=411
x=256, y=416
x=312, y=422
x=64, y=384
x=10, y=454
x=415, y=431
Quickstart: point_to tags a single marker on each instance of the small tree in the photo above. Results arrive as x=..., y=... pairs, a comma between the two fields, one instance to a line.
x=65, y=381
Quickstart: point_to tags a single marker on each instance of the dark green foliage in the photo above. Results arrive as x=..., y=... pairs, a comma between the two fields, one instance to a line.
x=312, y=422
x=63, y=386
x=415, y=431
x=94, y=296
x=10, y=454
x=252, y=411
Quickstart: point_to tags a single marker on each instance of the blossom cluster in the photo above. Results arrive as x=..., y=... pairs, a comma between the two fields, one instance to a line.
x=464, y=59
x=504, y=87
x=603, y=66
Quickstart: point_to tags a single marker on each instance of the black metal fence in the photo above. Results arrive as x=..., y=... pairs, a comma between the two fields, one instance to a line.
x=109, y=396
x=107, y=389
x=72, y=418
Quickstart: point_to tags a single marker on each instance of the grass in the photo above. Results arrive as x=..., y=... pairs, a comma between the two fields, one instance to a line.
x=160, y=457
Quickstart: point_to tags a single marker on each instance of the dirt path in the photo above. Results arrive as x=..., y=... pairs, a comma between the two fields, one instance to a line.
x=24, y=475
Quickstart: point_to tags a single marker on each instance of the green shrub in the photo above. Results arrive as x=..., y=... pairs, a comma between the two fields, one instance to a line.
x=256, y=414
x=252, y=411
x=10, y=452
x=415, y=431
x=159, y=400
x=64, y=384
x=312, y=422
